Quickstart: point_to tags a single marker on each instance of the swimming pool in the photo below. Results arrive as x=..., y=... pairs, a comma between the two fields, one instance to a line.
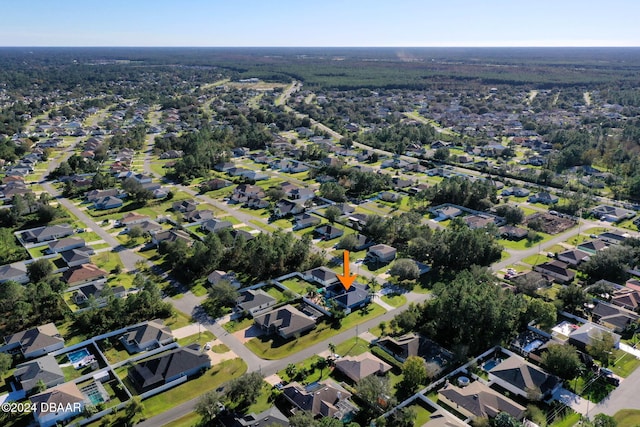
x=95, y=392
x=532, y=346
x=78, y=355
x=490, y=364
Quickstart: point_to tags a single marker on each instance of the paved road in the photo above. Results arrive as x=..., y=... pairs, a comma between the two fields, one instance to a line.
x=268, y=367
x=626, y=396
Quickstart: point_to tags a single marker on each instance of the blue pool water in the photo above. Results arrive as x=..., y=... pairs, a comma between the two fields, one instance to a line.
x=95, y=398
x=490, y=364
x=532, y=346
x=78, y=355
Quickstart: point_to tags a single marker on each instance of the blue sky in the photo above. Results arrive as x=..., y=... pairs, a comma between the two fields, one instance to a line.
x=320, y=23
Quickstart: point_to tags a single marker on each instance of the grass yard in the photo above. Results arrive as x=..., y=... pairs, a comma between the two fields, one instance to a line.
x=177, y=320
x=213, y=378
x=298, y=285
x=38, y=251
x=262, y=226
x=352, y=347
x=238, y=325
x=628, y=417
x=107, y=261
x=625, y=364
x=523, y=244
x=201, y=339
x=274, y=347
x=114, y=351
x=394, y=300
x=567, y=421
x=423, y=415
x=189, y=420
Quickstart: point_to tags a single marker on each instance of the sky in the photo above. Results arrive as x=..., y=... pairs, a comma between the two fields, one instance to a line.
x=320, y=23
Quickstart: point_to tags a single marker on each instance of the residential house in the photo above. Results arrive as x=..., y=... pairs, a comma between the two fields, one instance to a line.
x=78, y=256
x=442, y=418
x=109, y=202
x=16, y=272
x=96, y=290
x=43, y=370
x=592, y=246
x=479, y=221
x=215, y=225
x=573, y=256
x=286, y=321
x=214, y=184
x=171, y=236
x=556, y=269
x=199, y=216
x=286, y=208
x=83, y=273
x=34, y=342
x=94, y=195
x=54, y=406
x=356, y=296
x=325, y=398
x=271, y=417
x=131, y=218
x=305, y=221
x=446, y=212
x=524, y=379
x=616, y=318
x=362, y=242
x=301, y=194
x=171, y=154
x=328, y=232
x=321, y=275
x=587, y=333
x=181, y=362
x=184, y=206
x=511, y=232
x=357, y=221
x=255, y=175
x=149, y=335
x=255, y=301
x=66, y=244
x=612, y=213
x=613, y=237
x=148, y=227
x=516, y=192
x=627, y=298
x=479, y=401
x=218, y=276
x=544, y=198
x=389, y=196
x=361, y=366
x=381, y=254
x=43, y=234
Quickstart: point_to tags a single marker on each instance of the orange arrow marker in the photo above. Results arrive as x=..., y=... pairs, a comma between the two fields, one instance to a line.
x=346, y=279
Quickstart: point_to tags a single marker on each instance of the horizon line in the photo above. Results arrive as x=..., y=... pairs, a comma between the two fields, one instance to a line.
x=334, y=47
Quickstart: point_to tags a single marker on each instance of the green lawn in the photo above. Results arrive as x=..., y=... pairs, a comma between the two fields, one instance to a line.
x=238, y=325
x=277, y=294
x=298, y=285
x=262, y=225
x=628, y=417
x=625, y=364
x=312, y=373
x=107, y=261
x=274, y=347
x=213, y=378
x=177, y=320
x=189, y=420
x=352, y=347
x=523, y=244
x=116, y=352
x=201, y=338
x=263, y=402
x=568, y=421
x=394, y=300
x=39, y=251
x=423, y=415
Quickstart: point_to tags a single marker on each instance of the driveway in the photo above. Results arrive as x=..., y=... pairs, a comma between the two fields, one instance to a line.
x=623, y=397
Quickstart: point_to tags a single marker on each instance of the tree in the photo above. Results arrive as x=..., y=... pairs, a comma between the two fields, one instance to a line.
x=39, y=270
x=5, y=363
x=536, y=415
x=209, y=406
x=572, y=297
x=133, y=408
x=505, y=420
x=601, y=347
x=511, y=214
x=332, y=213
x=275, y=193
x=302, y=419
x=135, y=232
x=611, y=264
x=604, y=420
x=245, y=389
x=224, y=293
x=441, y=154
x=544, y=313
x=414, y=375
x=405, y=269
x=562, y=360
x=403, y=417
x=332, y=191
x=348, y=242
x=372, y=388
